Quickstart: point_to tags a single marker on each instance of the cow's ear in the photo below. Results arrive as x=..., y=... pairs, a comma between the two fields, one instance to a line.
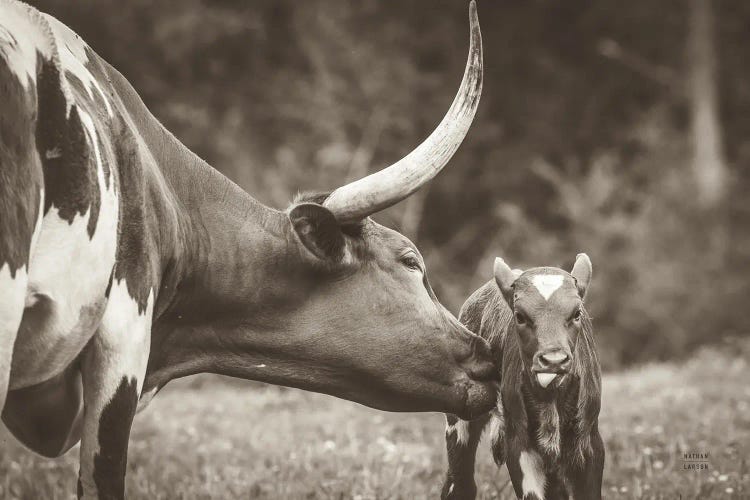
x=319, y=232
x=505, y=277
x=582, y=272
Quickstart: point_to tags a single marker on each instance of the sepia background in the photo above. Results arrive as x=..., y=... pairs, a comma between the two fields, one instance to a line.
x=621, y=129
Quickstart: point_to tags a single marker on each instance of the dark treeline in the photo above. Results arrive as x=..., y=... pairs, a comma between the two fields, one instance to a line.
x=621, y=129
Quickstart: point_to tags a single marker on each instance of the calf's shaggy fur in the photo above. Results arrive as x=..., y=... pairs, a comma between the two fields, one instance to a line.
x=546, y=432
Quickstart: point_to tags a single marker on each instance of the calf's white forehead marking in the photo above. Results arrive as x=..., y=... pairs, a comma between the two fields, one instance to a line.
x=547, y=284
x=533, y=475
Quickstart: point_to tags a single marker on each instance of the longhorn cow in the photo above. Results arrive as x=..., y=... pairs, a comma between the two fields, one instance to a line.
x=126, y=261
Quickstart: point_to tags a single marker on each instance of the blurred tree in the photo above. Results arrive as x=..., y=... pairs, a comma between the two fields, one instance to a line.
x=708, y=157
x=584, y=140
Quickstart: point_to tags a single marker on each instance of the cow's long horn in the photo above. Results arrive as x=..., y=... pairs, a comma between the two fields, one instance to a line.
x=386, y=187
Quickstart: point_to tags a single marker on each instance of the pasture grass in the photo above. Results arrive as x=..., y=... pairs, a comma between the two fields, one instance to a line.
x=209, y=437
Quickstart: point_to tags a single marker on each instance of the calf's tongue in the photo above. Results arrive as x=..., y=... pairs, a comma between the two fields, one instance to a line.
x=545, y=378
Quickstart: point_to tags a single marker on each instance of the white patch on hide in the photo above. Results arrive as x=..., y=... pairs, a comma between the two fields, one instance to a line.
x=547, y=284
x=53, y=153
x=21, y=36
x=532, y=471
x=125, y=335
x=12, y=297
x=73, y=58
x=497, y=427
x=72, y=270
x=461, y=428
x=31, y=295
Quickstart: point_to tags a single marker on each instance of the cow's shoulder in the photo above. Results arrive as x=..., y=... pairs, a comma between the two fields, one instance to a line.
x=143, y=196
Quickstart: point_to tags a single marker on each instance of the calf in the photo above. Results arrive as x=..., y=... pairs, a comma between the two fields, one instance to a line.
x=545, y=426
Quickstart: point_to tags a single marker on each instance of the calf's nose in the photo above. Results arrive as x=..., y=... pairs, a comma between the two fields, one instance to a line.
x=557, y=360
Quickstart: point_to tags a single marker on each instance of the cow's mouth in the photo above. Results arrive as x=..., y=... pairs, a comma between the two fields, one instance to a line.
x=480, y=397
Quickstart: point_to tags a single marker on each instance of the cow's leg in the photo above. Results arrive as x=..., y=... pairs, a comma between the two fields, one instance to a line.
x=586, y=481
x=461, y=440
x=526, y=470
x=114, y=366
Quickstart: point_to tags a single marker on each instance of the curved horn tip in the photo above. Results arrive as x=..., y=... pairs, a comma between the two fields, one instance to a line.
x=475, y=35
x=379, y=190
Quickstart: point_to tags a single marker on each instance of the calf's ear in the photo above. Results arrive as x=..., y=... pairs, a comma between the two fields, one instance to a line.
x=505, y=277
x=320, y=233
x=582, y=271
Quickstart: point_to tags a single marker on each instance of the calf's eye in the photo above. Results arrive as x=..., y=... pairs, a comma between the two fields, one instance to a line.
x=577, y=316
x=520, y=318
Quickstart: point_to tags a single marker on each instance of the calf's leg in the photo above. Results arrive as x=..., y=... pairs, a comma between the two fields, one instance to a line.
x=497, y=435
x=556, y=489
x=526, y=470
x=461, y=440
x=586, y=480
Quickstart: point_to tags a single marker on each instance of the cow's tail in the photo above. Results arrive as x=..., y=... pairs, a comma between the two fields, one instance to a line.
x=25, y=37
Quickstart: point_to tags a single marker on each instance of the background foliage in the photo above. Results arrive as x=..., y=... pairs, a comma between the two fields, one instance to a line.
x=583, y=141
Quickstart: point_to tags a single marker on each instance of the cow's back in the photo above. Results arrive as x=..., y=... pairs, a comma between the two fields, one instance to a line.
x=57, y=164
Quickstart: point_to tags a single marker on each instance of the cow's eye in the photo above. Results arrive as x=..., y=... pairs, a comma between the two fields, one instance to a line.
x=521, y=319
x=577, y=316
x=411, y=261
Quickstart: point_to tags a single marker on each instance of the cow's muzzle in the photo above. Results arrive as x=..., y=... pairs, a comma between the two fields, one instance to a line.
x=480, y=365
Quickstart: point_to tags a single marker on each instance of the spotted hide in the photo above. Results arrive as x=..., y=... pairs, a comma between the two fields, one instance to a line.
x=78, y=260
x=545, y=426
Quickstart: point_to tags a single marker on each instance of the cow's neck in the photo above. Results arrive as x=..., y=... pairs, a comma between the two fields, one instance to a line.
x=240, y=262
x=226, y=261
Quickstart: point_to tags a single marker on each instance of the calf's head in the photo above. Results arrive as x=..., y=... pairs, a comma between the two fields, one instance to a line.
x=548, y=316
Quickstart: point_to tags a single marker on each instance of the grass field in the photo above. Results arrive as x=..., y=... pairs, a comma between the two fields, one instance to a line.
x=207, y=437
